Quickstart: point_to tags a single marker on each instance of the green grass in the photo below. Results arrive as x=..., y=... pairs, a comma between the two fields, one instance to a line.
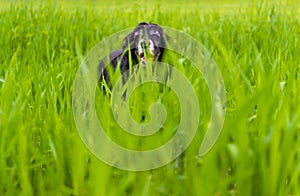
x=256, y=48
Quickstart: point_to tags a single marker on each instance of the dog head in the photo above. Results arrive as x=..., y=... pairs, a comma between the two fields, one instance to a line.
x=146, y=42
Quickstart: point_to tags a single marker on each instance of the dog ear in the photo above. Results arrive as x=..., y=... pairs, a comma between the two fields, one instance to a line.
x=166, y=37
x=128, y=41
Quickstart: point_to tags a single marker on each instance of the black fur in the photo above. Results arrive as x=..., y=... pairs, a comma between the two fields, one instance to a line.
x=144, y=35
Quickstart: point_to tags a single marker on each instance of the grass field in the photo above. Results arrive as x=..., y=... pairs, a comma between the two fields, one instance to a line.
x=254, y=43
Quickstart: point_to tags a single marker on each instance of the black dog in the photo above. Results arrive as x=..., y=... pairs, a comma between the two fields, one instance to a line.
x=146, y=43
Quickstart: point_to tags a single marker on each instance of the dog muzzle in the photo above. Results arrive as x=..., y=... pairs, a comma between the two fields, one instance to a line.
x=146, y=50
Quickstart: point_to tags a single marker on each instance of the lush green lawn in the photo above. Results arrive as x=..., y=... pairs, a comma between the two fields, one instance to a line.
x=257, y=51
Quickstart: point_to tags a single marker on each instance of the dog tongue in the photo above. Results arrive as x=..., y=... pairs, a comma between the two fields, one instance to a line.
x=143, y=61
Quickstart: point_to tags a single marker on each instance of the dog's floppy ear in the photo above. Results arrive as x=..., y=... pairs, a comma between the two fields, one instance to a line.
x=165, y=36
x=128, y=41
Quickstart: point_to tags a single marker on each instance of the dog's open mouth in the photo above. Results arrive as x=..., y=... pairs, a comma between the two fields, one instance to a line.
x=146, y=51
x=145, y=57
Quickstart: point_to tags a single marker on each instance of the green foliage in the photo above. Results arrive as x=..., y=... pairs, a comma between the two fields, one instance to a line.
x=256, y=48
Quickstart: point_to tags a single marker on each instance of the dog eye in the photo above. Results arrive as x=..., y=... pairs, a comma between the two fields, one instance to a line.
x=138, y=35
x=155, y=33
